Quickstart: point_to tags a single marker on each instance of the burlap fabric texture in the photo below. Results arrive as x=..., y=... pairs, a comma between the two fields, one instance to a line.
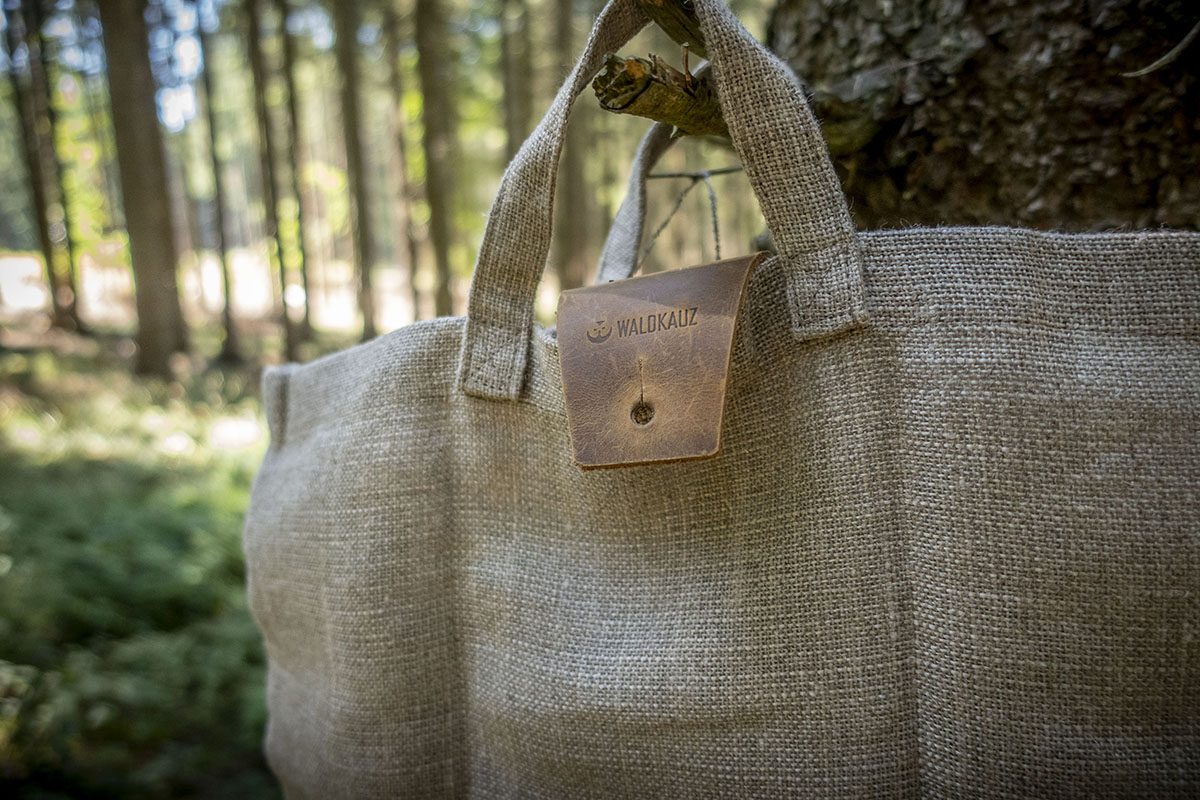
x=950, y=548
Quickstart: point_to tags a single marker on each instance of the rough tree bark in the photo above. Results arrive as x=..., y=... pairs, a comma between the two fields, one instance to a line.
x=346, y=18
x=439, y=138
x=142, y=164
x=1004, y=113
x=269, y=175
x=230, y=348
x=1046, y=114
x=404, y=187
x=23, y=100
x=293, y=158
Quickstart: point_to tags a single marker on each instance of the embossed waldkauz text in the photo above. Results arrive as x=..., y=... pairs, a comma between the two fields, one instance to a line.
x=662, y=321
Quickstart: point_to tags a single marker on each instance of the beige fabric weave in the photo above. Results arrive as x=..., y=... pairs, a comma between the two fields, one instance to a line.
x=950, y=548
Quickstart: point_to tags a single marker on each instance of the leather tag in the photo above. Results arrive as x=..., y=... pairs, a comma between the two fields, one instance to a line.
x=645, y=362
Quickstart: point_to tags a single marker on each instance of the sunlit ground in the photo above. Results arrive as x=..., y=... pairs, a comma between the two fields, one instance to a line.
x=106, y=292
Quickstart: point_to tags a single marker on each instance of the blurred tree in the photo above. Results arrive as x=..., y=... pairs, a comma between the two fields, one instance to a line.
x=440, y=138
x=608, y=146
x=571, y=220
x=516, y=64
x=404, y=191
x=191, y=236
x=17, y=229
x=346, y=20
x=270, y=178
x=293, y=159
x=230, y=347
x=141, y=160
x=43, y=73
x=35, y=162
x=86, y=18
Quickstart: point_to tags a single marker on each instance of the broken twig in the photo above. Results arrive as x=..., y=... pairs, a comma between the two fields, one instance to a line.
x=653, y=89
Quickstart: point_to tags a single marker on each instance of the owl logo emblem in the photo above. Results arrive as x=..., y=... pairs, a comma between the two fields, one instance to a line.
x=599, y=331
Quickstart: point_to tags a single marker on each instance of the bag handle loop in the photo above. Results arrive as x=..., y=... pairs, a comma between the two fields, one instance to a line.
x=782, y=152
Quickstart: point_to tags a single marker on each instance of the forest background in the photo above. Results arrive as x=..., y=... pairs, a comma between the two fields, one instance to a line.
x=191, y=189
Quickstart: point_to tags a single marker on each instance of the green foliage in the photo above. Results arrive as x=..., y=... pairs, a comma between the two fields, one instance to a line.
x=129, y=665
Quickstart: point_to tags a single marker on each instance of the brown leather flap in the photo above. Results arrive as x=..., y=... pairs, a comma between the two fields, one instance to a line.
x=645, y=362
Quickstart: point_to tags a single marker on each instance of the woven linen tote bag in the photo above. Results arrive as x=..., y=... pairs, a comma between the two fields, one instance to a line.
x=950, y=546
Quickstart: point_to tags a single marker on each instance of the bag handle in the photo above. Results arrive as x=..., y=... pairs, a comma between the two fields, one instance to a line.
x=782, y=152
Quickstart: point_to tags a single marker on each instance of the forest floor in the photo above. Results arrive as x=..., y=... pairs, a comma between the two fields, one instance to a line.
x=129, y=664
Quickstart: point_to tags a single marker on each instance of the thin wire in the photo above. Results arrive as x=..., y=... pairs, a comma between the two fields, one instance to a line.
x=712, y=203
x=665, y=222
x=696, y=175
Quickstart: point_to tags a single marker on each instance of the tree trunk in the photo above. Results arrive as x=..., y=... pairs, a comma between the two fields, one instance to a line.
x=37, y=182
x=439, y=139
x=177, y=179
x=142, y=165
x=83, y=13
x=404, y=223
x=293, y=159
x=41, y=72
x=570, y=225
x=270, y=179
x=346, y=19
x=517, y=70
x=1004, y=113
x=333, y=135
x=230, y=348
x=179, y=156
x=604, y=143
x=89, y=87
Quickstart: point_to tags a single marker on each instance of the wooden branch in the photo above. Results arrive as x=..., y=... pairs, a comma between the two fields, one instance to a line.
x=677, y=18
x=655, y=90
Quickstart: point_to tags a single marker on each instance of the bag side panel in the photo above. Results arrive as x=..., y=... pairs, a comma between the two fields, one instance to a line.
x=1050, y=419
x=349, y=574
